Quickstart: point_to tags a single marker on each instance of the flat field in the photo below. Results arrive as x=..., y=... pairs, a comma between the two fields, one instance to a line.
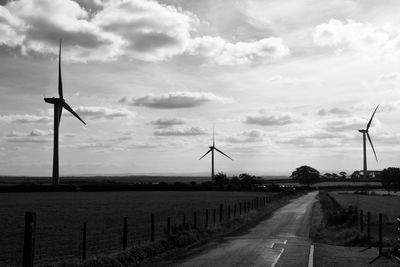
x=60, y=217
x=389, y=206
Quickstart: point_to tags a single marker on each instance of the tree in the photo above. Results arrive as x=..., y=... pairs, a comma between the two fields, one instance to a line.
x=343, y=174
x=355, y=175
x=390, y=178
x=246, y=178
x=220, y=178
x=306, y=175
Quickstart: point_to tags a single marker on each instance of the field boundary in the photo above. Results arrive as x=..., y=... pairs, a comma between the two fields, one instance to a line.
x=181, y=240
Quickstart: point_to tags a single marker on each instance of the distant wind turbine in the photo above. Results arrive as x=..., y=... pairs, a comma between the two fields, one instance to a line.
x=212, y=148
x=366, y=134
x=59, y=104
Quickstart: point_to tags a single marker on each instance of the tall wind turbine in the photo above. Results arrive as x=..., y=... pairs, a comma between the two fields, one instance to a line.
x=212, y=148
x=59, y=104
x=366, y=134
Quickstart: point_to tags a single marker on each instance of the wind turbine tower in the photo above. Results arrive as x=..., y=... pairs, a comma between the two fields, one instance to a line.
x=59, y=103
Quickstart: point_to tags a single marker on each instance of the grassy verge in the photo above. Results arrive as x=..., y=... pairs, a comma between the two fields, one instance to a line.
x=332, y=224
x=180, y=239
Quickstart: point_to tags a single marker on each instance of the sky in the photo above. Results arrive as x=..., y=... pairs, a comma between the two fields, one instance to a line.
x=286, y=83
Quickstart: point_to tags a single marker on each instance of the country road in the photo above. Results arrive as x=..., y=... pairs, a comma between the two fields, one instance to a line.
x=281, y=240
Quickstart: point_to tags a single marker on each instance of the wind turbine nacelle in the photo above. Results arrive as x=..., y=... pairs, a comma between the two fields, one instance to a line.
x=52, y=100
x=211, y=147
x=362, y=131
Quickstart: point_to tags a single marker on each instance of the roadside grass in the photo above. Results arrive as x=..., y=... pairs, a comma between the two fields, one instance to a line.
x=331, y=224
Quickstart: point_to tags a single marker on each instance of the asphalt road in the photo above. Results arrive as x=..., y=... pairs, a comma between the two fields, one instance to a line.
x=281, y=240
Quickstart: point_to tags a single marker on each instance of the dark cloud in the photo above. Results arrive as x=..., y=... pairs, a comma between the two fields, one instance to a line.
x=166, y=123
x=35, y=136
x=175, y=100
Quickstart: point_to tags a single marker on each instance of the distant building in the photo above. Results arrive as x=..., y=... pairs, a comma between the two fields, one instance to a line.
x=372, y=174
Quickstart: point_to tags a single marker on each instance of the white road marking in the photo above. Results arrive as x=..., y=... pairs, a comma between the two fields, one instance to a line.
x=277, y=258
x=311, y=257
x=272, y=245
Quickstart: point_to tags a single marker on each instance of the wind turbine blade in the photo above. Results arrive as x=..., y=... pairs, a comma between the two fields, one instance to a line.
x=60, y=89
x=369, y=123
x=213, y=136
x=205, y=154
x=59, y=114
x=223, y=153
x=373, y=149
x=67, y=107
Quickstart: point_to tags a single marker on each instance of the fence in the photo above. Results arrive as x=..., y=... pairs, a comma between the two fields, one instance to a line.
x=79, y=240
x=378, y=230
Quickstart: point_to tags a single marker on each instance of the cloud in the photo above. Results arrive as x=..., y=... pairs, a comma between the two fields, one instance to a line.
x=226, y=53
x=106, y=30
x=270, y=118
x=192, y=131
x=251, y=136
x=334, y=111
x=166, y=123
x=389, y=77
x=35, y=136
x=174, y=100
x=102, y=112
x=359, y=37
x=346, y=124
x=25, y=119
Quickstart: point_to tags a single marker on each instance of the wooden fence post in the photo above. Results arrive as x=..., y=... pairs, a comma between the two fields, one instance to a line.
x=380, y=234
x=84, y=252
x=220, y=212
x=152, y=228
x=240, y=208
x=206, y=218
x=125, y=234
x=29, y=239
x=234, y=210
x=194, y=220
x=229, y=212
x=214, y=215
x=361, y=220
x=369, y=229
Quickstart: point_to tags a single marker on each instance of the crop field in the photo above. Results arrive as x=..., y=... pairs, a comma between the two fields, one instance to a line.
x=60, y=217
x=389, y=206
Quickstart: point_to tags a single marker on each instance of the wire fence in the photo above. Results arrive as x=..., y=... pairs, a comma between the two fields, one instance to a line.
x=72, y=240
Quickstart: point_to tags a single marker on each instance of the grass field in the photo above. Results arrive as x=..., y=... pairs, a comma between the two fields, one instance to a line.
x=60, y=216
x=389, y=206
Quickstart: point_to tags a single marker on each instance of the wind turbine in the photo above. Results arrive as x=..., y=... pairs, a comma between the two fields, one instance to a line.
x=59, y=104
x=212, y=148
x=366, y=134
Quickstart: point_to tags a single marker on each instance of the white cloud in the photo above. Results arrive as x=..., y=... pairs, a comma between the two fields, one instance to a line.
x=389, y=77
x=102, y=112
x=25, y=119
x=226, y=53
x=174, y=100
x=250, y=136
x=362, y=38
x=192, y=131
x=270, y=118
x=106, y=30
x=334, y=111
x=35, y=136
